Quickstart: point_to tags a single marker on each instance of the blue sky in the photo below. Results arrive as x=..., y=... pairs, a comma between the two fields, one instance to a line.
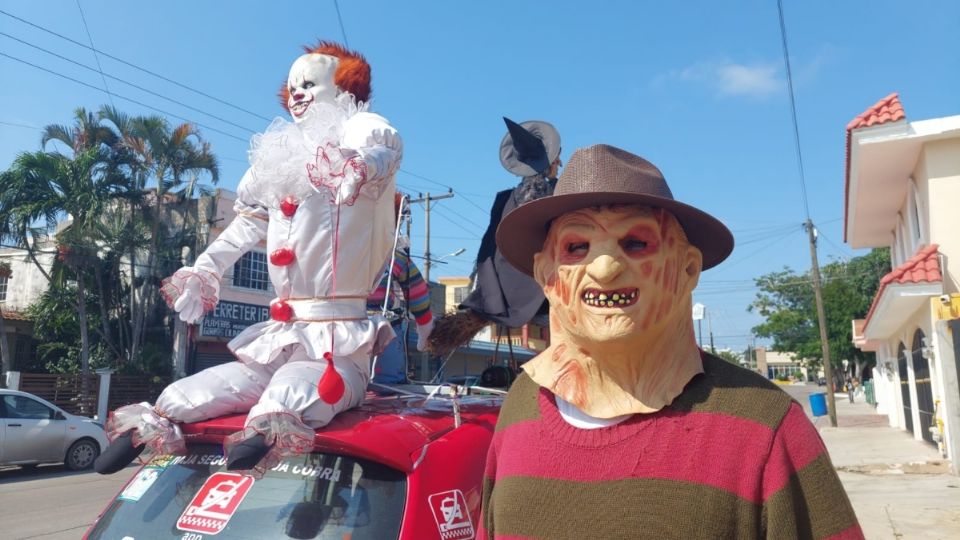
x=696, y=87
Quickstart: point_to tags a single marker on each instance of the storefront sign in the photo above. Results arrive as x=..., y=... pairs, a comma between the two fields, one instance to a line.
x=230, y=318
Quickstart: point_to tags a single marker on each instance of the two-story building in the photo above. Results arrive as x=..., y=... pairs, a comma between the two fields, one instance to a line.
x=902, y=191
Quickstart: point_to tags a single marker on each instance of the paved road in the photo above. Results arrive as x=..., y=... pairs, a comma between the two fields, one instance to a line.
x=51, y=502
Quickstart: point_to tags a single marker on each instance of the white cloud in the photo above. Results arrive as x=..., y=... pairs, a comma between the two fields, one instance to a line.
x=731, y=79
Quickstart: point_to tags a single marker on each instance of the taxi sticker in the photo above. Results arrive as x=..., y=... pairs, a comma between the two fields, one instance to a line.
x=452, y=515
x=139, y=485
x=215, y=503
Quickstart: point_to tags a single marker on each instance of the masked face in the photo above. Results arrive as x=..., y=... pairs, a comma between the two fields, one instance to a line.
x=616, y=273
x=311, y=80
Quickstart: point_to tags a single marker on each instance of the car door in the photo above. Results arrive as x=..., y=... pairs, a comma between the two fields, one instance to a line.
x=31, y=430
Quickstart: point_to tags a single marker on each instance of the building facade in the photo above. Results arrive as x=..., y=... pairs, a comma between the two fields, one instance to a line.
x=902, y=191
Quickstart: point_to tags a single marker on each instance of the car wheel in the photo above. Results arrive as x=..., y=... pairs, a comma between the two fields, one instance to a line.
x=81, y=454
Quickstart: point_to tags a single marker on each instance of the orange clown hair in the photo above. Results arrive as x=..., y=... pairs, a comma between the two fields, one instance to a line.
x=352, y=75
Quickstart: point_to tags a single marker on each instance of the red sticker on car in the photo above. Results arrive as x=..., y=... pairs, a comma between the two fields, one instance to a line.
x=452, y=515
x=215, y=503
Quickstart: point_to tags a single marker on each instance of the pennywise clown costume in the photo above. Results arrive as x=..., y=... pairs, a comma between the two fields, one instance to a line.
x=622, y=428
x=320, y=192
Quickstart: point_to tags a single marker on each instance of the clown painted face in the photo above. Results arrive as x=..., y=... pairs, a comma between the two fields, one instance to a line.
x=612, y=274
x=310, y=80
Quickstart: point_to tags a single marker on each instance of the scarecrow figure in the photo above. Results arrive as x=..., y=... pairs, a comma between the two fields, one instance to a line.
x=320, y=193
x=500, y=294
x=622, y=428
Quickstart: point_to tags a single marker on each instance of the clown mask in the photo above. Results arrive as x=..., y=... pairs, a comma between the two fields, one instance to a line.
x=311, y=80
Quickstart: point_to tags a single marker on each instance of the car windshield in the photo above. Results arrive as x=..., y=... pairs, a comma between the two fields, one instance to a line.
x=193, y=497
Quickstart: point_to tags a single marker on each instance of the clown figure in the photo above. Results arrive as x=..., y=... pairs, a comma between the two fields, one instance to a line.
x=319, y=192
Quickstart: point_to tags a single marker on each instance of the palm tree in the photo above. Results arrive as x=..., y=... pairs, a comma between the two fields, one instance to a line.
x=42, y=190
x=174, y=158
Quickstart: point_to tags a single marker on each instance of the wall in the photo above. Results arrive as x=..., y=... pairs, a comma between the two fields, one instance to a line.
x=941, y=165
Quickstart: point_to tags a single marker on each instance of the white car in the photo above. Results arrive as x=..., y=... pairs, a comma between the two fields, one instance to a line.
x=34, y=431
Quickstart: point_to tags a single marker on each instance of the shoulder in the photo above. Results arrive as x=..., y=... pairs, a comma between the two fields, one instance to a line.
x=724, y=388
x=522, y=402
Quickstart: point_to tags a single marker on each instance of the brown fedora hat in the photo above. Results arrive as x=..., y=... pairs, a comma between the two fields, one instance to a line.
x=602, y=175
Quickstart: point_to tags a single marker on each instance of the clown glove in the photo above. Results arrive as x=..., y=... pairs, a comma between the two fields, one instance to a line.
x=191, y=292
x=423, y=334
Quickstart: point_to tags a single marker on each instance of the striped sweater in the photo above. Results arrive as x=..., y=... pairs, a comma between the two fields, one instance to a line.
x=732, y=457
x=407, y=277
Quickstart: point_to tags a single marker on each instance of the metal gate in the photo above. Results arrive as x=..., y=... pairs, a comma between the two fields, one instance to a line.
x=905, y=387
x=921, y=375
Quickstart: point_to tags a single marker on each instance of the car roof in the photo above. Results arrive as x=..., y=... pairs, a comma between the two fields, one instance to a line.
x=390, y=429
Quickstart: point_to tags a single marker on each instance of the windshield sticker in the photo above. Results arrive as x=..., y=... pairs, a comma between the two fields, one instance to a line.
x=452, y=515
x=215, y=503
x=139, y=485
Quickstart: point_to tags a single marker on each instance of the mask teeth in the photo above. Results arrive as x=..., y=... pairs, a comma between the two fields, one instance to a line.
x=609, y=300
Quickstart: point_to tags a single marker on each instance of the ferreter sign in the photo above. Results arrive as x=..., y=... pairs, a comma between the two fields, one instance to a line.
x=230, y=318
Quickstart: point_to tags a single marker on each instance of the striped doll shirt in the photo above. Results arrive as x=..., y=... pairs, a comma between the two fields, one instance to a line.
x=732, y=457
x=406, y=277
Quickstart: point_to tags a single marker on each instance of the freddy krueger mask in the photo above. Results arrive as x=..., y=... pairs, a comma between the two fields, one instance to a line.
x=618, y=279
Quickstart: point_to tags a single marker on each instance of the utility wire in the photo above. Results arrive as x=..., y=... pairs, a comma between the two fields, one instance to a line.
x=793, y=109
x=441, y=184
x=128, y=83
x=131, y=100
x=147, y=71
x=95, y=55
x=340, y=20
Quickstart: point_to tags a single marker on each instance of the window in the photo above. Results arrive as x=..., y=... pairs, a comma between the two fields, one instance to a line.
x=460, y=294
x=251, y=271
x=3, y=288
x=24, y=407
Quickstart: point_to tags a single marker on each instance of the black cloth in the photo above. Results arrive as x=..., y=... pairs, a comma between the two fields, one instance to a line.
x=502, y=293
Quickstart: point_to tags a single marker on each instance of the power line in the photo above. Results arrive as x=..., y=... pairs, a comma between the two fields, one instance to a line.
x=20, y=125
x=147, y=71
x=447, y=186
x=95, y=55
x=340, y=20
x=793, y=108
x=131, y=100
x=128, y=83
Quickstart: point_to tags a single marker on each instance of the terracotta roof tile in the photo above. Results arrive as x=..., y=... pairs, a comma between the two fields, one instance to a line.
x=923, y=267
x=15, y=316
x=888, y=109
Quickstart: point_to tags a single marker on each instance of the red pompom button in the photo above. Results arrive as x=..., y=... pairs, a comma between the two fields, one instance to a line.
x=330, y=386
x=289, y=205
x=282, y=256
x=281, y=311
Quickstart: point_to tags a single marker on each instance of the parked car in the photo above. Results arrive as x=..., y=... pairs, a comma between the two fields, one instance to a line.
x=34, y=431
x=398, y=466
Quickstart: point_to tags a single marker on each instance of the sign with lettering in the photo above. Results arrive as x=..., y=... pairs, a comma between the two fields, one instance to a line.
x=230, y=318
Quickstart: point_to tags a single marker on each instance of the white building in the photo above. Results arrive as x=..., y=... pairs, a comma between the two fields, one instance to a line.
x=902, y=190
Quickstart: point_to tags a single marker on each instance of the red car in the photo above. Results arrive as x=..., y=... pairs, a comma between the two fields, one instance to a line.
x=398, y=466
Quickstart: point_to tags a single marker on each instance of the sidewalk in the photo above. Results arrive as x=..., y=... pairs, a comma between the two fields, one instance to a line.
x=900, y=487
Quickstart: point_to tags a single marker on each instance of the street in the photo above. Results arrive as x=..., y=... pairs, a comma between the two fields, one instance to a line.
x=50, y=502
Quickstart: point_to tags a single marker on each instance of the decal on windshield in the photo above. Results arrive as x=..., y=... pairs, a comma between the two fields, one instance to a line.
x=215, y=503
x=139, y=485
x=452, y=515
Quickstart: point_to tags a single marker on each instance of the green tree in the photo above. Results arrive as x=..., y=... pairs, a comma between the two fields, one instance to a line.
x=173, y=160
x=729, y=356
x=786, y=301
x=43, y=190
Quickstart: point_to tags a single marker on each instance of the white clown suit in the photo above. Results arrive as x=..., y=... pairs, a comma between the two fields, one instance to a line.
x=320, y=193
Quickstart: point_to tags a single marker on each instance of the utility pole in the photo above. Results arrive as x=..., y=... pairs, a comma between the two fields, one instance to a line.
x=427, y=200
x=822, y=319
x=427, y=262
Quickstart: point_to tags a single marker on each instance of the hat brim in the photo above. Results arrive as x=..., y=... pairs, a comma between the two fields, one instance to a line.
x=521, y=233
x=551, y=142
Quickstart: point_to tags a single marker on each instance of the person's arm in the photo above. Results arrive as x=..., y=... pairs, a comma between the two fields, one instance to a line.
x=802, y=494
x=195, y=290
x=365, y=163
x=485, y=527
x=407, y=275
